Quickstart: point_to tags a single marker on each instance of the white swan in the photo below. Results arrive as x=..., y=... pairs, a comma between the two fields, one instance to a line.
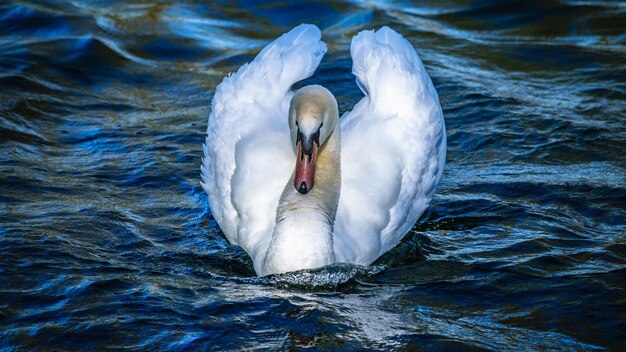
x=296, y=187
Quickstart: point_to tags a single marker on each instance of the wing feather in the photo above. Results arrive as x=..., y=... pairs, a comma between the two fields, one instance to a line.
x=393, y=148
x=247, y=155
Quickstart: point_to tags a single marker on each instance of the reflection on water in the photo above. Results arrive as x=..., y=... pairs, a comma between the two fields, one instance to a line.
x=106, y=240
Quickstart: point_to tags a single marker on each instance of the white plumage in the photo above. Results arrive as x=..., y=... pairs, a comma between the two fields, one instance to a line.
x=391, y=157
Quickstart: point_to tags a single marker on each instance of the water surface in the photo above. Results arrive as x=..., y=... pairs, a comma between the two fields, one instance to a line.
x=107, y=242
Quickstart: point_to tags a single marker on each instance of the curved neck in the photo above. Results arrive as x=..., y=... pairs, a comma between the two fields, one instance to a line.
x=303, y=234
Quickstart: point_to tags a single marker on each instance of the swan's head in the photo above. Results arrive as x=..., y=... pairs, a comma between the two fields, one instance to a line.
x=313, y=115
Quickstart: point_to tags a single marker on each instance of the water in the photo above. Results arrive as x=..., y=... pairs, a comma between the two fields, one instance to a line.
x=106, y=241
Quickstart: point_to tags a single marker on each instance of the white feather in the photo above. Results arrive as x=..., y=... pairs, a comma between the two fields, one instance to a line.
x=248, y=156
x=393, y=148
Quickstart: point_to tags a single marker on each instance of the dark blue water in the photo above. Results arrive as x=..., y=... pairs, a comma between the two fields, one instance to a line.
x=106, y=240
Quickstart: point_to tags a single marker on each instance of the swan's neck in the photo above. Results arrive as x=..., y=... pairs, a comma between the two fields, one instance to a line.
x=303, y=235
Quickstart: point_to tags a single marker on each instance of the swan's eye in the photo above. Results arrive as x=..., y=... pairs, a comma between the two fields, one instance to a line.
x=316, y=136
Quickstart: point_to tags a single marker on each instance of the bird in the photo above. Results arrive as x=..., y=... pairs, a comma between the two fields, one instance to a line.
x=296, y=186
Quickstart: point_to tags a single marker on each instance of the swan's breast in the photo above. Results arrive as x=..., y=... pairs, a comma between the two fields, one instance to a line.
x=300, y=241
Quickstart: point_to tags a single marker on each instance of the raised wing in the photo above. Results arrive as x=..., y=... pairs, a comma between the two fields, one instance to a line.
x=392, y=151
x=248, y=157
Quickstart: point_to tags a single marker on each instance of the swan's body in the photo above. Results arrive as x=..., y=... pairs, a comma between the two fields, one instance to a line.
x=362, y=183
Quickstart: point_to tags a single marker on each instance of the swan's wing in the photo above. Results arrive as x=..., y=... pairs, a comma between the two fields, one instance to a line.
x=393, y=148
x=248, y=157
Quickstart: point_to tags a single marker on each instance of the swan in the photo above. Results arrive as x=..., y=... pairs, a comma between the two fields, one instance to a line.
x=299, y=188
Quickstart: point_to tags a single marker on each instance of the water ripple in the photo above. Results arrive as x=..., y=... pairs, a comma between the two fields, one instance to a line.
x=107, y=240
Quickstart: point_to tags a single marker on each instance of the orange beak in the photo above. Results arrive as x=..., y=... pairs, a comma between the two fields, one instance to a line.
x=305, y=168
